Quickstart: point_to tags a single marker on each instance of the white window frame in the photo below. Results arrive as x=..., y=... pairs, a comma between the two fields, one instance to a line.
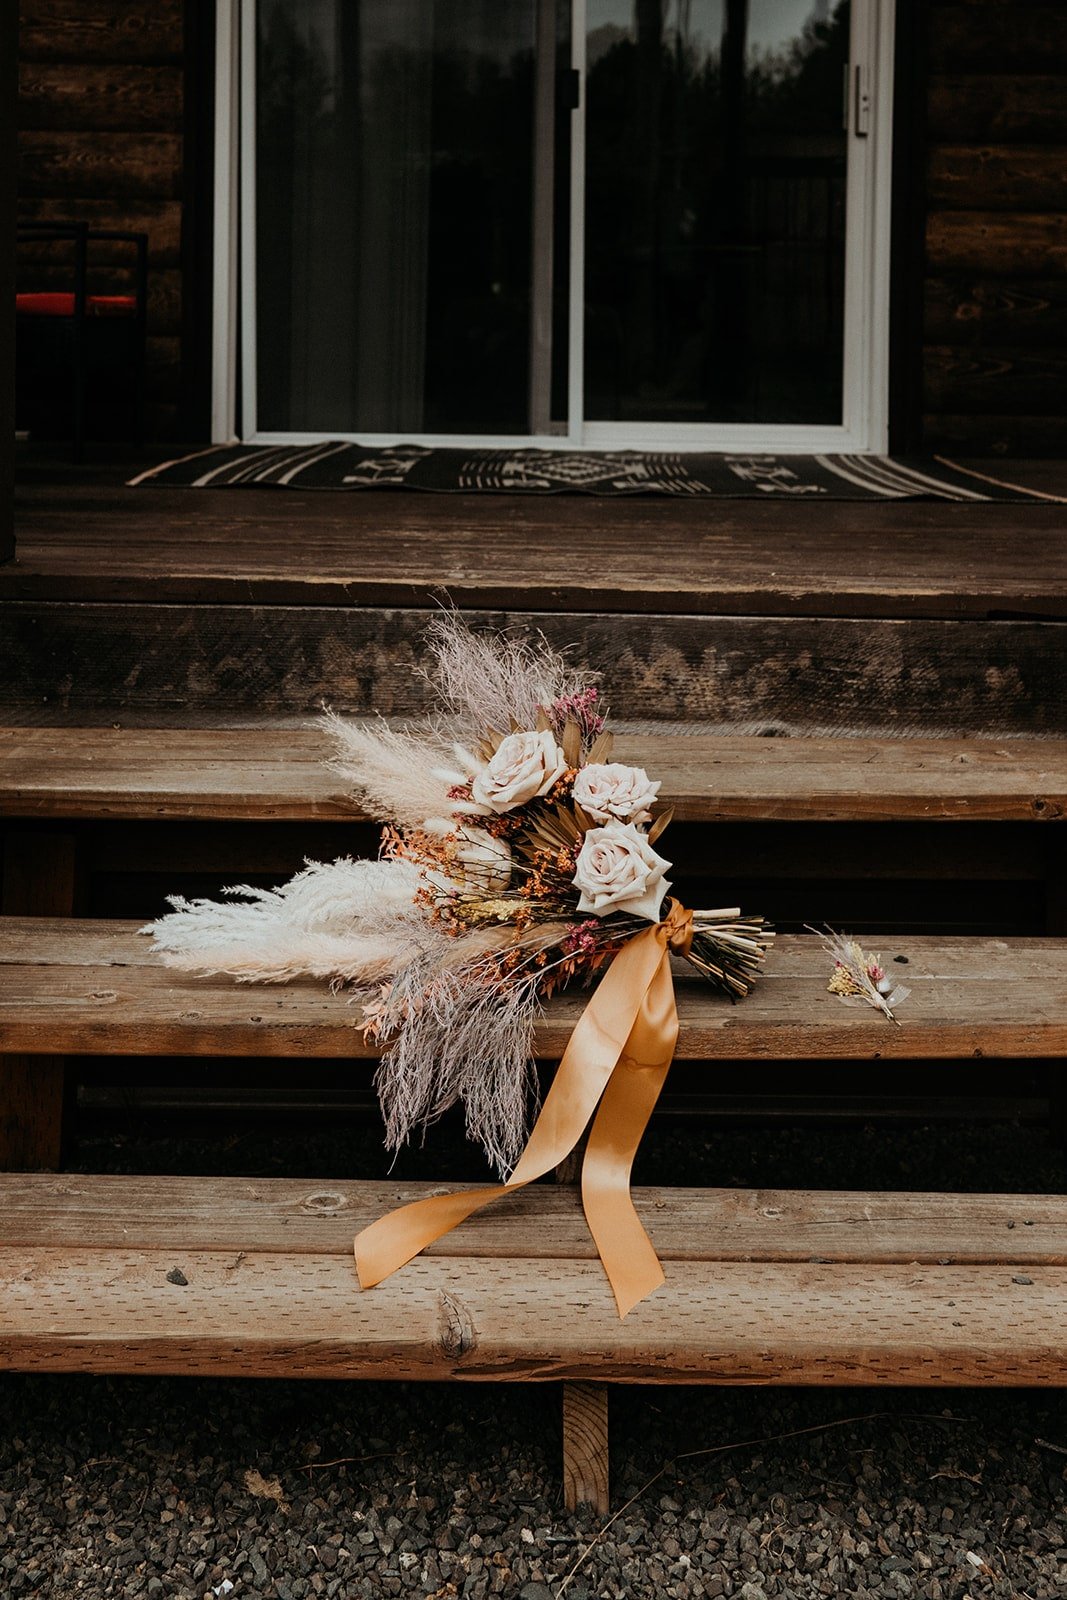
x=865, y=395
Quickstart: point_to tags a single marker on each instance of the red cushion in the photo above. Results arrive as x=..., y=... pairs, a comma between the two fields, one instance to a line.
x=62, y=305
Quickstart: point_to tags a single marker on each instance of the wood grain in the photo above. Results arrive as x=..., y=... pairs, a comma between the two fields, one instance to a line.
x=733, y=672
x=77, y=95
x=1015, y=244
x=320, y=1216
x=993, y=177
x=100, y=541
x=585, y=1447
x=91, y=987
x=993, y=380
x=99, y=30
x=1023, y=313
x=999, y=437
x=80, y=1310
x=990, y=35
x=997, y=106
x=271, y=773
x=76, y=165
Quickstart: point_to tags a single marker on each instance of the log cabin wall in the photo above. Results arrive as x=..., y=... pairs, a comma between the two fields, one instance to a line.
x=112, y=129
x=995, y=334
x=104, y=137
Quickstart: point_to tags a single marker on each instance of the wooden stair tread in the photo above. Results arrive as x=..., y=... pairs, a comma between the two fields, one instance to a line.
x=922, y=1288
x=279, y=773
x=91, y=541
x=91, y=987
x=301, y=1216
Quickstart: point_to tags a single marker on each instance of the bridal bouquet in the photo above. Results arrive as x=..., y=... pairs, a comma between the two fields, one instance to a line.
x=517, y=857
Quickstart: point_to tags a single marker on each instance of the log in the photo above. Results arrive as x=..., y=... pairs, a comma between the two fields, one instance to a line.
x=998, y=107
x=137, y=166
x=996, y=177
x=1015, y=314
x=99, y=30
x=78, y=95
x=1014, y=244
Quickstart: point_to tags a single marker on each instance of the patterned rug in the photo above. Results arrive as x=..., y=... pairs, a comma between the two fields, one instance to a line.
x=336, y=465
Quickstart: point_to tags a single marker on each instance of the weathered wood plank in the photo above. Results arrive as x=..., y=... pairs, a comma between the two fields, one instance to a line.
x=113, y=98
x=970, y=310
x=101, y=541
x=78, y=1310
x=997, y=106
x=99, y=30
x=271, y=773
x=90, y=988
x=1016, y=244
x=986, y=677
x=983, y=178
x=304, y=1217
x=140, y=166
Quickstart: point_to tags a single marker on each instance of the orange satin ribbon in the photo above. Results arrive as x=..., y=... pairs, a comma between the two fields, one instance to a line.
x=615, y=1065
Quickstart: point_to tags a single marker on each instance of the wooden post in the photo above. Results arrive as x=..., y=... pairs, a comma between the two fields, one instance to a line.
x=8, y=95
x=585, y=1411
x=585, y=1446
x=39, y=881
x=1056, y=925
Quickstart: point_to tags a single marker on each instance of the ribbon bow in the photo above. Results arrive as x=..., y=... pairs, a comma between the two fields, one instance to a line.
x=615, y=1065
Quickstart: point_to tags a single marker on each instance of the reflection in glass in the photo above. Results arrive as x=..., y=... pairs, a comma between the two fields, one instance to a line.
x=394, y=194
x=715, y=210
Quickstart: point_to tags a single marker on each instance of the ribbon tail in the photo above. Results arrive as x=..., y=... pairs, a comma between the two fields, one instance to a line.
x=384, y=1246
x=630, y=1261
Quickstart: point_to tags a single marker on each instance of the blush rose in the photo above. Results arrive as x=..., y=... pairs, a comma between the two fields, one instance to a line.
x=613, y=792
x=618, y=870
x=525, y=766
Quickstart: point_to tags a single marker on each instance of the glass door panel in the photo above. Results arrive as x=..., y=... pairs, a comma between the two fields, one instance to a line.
x=403, y=149
x=715, y=210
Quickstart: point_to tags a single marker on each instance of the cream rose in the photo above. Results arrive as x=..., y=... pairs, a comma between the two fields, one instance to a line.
x=525, y=766
x=613, y=792
x=618, y=870
x=484, y=862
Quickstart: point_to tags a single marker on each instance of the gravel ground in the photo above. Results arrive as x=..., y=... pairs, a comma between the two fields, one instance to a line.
x=176, y=1488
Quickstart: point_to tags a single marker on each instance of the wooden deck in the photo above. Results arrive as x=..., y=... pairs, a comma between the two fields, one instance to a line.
x=86, y=537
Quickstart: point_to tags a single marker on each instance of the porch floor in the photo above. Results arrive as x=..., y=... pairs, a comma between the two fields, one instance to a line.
x=84, y=536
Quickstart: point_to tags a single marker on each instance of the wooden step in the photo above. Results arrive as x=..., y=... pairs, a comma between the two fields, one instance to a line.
x=92, y=987
x=883, y=676
x=273, y=772
x=243, y=1277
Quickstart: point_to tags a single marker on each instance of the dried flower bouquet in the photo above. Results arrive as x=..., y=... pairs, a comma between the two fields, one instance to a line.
x=517, y=857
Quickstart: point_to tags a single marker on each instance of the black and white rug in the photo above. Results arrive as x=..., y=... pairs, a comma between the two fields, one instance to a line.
x=337, y=465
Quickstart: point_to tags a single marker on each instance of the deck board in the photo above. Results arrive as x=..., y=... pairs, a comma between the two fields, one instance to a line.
x=273, y=773
x=93, y=987
x=87, y=539
x=484, y=1319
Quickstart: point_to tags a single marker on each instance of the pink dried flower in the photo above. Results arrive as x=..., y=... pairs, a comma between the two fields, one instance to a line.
x=580, y=707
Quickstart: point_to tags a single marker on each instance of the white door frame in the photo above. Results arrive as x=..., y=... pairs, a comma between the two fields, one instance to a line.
x=865, y=397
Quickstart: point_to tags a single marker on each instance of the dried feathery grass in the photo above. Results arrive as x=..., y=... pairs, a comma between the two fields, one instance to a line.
x=347, y=920
x=858, y=977
x=490, y=680
x=462, y=1039
x=390, y=771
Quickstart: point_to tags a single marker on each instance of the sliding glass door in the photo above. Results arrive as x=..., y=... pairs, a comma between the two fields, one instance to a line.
x=580, y=222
